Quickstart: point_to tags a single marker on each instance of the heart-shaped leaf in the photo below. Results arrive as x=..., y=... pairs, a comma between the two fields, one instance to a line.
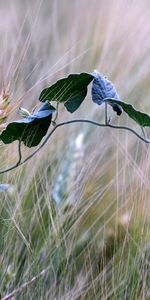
x=139, y=117
x=29, y=130
x=71, y=90
x=103, y=88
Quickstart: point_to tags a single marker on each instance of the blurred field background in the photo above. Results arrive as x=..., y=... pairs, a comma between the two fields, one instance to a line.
x=75, y=220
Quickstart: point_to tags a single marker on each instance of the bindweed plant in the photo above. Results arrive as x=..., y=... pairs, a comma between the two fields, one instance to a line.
x=71, y=92
x=31, y=129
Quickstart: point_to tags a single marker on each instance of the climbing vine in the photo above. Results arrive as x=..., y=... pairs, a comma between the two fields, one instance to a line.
x=70, y=92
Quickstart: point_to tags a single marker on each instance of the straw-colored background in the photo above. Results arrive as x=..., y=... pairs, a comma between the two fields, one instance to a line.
x=81, y=206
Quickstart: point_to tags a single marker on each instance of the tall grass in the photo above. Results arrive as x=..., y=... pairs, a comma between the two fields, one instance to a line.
x=75, y=222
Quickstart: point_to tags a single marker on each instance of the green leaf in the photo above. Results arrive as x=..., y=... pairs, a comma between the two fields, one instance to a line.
x=139, y=117
x=29, y=130
x=71, y=90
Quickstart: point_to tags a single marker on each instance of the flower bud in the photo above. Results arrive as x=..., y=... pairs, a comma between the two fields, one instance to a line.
x=24, y=112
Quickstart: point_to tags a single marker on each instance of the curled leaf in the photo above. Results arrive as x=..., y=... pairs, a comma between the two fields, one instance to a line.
x=139, y=117
x=29, y=130
x=103, y=88
x=71, y=91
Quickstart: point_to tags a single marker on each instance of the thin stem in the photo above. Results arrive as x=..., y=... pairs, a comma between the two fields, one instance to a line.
x=83, y=121
x=18, y=162
x=56, y=116
x=144, y=133
x=106, y=116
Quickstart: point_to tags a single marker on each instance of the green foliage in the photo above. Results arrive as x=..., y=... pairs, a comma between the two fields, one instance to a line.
x=29, y=130
x=71, y=91
x=139, y=117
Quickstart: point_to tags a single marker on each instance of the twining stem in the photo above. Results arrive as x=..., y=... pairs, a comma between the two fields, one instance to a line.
x=82, y=121
x=143, y=131
x=56, y=115
x=106, y=116
x=19, y=163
